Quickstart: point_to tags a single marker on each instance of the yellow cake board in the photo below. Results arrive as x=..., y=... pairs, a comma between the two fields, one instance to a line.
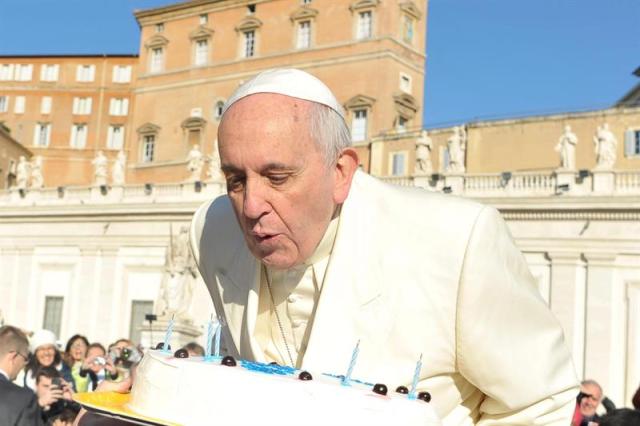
x=114, y=404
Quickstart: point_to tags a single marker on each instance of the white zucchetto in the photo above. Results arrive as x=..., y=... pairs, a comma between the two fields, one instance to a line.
x=289, y=82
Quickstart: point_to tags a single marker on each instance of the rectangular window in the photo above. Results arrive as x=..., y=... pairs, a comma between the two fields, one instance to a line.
x=4, y=103
x=204, y=19
x=121, y=74
x=119, y=106
x=139, y=308
x=407, y=29
x=42, y=134
x=82, y=106
x=202, y=51
x=157, y=59
x=49, y=72
x=6, y=72
x=405, y=82
x=115, y=137
x=148, y=146
x=45, y=105
x=359, y=125
x=304, y=35
x=23, y=72
x=53, y=314
x=85, y=73
x=78, y=136
x=632, y=143
x=398, y=162
x=364, y=25
x=159, y=27
x=249, y=43
x=401, y=124
x=18, y=106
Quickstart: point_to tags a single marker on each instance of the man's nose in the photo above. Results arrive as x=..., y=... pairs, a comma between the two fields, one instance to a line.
x=255, y=202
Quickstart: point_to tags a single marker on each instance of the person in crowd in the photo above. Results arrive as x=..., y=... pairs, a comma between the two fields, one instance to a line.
x=194, y=349
x=124, y=354
x=636, y=399
x=587, y=402
x=18, y=405
x=44, y=354
x=305, y=256
x=65, y=418
x=74, y=354
x=54, y=393
x=95, y=368
x=621, y=417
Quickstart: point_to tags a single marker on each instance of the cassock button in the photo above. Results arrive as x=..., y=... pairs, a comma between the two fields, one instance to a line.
x=292, y=299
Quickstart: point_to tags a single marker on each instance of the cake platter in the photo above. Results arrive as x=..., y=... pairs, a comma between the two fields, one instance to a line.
x=114, y=405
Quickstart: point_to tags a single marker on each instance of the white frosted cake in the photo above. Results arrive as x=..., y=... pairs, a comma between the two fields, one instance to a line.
x=194, y=391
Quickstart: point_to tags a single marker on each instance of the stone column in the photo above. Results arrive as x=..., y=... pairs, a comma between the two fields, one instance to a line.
x=604, y=338
x=567, y=300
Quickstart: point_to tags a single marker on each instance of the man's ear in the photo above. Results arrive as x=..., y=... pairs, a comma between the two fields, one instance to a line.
x=344, y=169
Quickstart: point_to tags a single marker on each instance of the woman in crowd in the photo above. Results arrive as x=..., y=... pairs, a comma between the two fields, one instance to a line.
x=44, y=353
x=73, y=356
x=95, y=368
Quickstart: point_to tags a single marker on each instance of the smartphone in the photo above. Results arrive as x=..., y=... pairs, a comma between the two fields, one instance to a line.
x=56, y=383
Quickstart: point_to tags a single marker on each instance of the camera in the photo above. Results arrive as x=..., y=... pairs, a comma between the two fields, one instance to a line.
x=100, y=361
x=126, y=356
x=56, y=382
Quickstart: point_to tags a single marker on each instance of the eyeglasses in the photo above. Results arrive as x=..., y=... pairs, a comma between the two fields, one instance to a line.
x=25, y=357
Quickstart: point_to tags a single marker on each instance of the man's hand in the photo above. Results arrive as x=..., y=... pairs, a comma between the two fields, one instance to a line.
x=67, y=390
x=49, y=396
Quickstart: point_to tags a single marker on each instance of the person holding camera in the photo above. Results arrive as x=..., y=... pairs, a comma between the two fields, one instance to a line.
x=124, y=355
x=587, y=403
x=95, y=368
x=44, y=354
x=54, y=393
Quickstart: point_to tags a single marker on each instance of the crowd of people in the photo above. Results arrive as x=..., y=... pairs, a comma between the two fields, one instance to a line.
x=49, y=375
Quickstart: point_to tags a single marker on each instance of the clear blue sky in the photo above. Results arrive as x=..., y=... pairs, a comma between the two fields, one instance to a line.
x=486, y=58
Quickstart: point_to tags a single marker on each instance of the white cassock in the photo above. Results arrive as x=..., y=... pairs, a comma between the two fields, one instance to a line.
x=410, y=272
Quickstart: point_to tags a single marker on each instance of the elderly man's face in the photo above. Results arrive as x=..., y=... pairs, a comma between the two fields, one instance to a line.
x=282, y=192
x=589, y=403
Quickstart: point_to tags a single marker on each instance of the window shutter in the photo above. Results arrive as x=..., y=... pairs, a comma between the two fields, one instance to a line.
x=125, y=106
x=56, y=69
x=92, y=72
x=74, y=136
x=88, y=107
x=110, y=141
x=127, y=74
x=629, y=142
x=36, y=133
x=48, y=134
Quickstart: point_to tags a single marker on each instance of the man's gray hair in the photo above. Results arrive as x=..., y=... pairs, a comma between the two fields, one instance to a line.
x=329, y=131
x=592, y=383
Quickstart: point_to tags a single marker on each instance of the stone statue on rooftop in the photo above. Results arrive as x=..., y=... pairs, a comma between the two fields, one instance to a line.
x=22, y=173
x=176, y=289
x=195, y=162
x=119, y=169
x=424, y=145
x=100, y=164
x=605, y=146
x=213, y=171
x=456, y=146
x=37, y=180
x=566, y=146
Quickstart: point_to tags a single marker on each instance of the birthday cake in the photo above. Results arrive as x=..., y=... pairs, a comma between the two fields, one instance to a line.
x=225, y=391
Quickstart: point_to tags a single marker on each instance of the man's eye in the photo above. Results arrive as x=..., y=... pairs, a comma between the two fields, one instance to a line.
x=235, y=183
x=278, y=179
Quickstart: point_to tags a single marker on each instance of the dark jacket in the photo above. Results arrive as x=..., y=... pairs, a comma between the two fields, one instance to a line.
x=18, y=405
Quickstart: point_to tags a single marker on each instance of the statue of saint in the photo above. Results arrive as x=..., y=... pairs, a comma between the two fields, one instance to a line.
x=213, y=171
x=605, y=146
x=118, y=169
x=195, y=162
x=176, y=289
x=566, y=146
x=100, y=164
x=456, y=146
x=22, y=173
x=424, y=145
x=37, y=180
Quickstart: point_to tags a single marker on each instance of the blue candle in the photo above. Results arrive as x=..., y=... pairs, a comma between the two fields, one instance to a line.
x=167, y=336
x=207, y=352
x=217, y=346
x=416, y=377
x=354, y=356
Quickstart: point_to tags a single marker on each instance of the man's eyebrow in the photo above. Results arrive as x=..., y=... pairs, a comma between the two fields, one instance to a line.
x=276, y=166
x=227, y=168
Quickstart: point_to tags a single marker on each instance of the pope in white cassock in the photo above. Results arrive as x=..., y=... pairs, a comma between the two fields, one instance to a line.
x=305, y=256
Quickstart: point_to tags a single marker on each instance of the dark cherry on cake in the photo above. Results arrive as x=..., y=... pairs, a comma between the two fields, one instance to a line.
x=305, y=375
x=425, y=396
x=229, y=361
x=181, y=353
x=161, y=346
x=380, y=389
x=402, y=389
